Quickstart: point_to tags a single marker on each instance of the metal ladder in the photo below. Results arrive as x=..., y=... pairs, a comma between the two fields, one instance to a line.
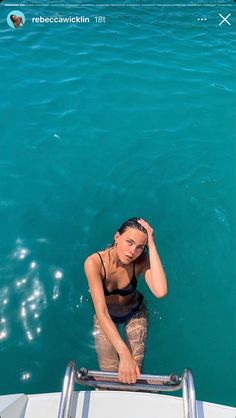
x=146, y=383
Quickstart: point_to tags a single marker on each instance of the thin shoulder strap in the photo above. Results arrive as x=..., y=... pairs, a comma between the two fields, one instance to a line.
x=102, y=265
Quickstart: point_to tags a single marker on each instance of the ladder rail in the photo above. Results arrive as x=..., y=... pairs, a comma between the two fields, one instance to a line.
x=110, y=380
x=189, y=398
x=67, y=391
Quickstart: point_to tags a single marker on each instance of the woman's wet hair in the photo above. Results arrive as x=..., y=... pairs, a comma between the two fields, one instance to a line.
x=132, y=223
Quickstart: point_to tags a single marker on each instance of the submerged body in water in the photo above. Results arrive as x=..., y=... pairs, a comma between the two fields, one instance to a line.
x=112, y=275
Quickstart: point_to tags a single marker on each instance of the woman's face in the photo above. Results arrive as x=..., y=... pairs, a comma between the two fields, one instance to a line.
x=130, y=244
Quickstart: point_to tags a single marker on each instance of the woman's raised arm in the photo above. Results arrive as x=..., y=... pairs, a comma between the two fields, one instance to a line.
x=152, y=268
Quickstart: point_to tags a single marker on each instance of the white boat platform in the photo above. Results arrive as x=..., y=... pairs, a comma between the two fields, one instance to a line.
x=131, y=401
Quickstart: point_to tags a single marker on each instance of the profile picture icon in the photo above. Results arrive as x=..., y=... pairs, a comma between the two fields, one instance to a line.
x=16, y=19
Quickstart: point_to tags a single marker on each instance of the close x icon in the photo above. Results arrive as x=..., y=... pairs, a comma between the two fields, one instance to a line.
x=225, y=19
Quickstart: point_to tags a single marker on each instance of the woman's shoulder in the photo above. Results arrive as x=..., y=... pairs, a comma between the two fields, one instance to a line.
x=93, y=269
x=94, y=260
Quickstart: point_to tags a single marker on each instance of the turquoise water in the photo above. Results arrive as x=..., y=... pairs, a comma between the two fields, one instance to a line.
x=101, y=122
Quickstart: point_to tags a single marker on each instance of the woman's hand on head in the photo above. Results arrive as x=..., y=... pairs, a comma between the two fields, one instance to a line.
x=149, y=229
x=128, y=369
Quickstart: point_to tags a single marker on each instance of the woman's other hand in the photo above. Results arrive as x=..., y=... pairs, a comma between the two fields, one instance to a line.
x=149, y=229
x=128, y=369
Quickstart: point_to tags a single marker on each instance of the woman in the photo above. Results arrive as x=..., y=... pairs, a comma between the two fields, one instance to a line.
x=16, y=20
x=112, y=276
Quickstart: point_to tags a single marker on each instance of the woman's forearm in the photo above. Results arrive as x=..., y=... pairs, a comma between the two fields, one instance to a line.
x=158, y=277
x=155, y=275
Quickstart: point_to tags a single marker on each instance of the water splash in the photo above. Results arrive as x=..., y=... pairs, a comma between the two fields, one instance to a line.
x=3, y=320
x=33, y=304
x=26, y=376
x=56, y=136
x=58, y=276
x=20, y=252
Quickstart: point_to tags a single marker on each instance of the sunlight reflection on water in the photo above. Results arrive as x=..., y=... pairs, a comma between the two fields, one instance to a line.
x=30, y=293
